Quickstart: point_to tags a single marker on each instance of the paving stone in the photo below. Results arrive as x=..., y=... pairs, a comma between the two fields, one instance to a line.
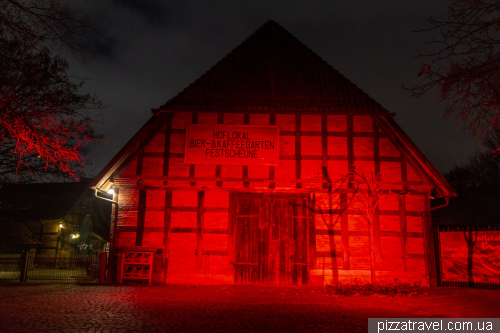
x=173, y=308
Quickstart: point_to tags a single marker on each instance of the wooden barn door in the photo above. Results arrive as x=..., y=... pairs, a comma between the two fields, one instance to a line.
x=270, y=239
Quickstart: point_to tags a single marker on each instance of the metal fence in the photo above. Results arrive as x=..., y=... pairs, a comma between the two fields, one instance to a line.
x=10, y=266
x=50, y=268
x=442, y=282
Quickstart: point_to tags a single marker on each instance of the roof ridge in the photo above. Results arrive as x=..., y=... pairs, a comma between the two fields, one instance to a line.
x=211, y=87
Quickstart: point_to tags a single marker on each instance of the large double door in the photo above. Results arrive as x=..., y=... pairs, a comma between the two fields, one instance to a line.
x=270, y=238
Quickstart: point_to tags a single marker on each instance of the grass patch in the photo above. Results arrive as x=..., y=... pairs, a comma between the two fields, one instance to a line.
x=355, y=287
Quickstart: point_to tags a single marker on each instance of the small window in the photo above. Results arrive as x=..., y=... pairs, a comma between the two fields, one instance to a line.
x=83, y=210
x=76, y=229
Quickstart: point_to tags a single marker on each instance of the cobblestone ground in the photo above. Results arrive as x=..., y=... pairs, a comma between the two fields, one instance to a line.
x=173, y=308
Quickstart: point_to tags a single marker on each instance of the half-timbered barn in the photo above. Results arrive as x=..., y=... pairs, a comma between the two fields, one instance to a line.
x=256, y=173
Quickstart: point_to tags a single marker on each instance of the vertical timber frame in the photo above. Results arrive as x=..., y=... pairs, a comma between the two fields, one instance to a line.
x=430, y=243
x=200, y=223
x=166, y=148
x=376, y=246
x=324, y=153
x=167, y=221
x=403, y=230
x=350, y=148
x=298, y=153
x=141, y=216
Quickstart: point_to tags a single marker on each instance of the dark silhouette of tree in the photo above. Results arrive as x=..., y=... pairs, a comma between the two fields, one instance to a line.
x=465, y=64
x=369, y=191
x=353, y=192
x=481, y=172
x=44, y=121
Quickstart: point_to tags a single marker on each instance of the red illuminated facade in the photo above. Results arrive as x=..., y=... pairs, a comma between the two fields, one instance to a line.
x=246, y=218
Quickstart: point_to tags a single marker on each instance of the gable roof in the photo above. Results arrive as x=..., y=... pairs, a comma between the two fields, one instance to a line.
x=15, y=232
x=40, y=201
x=272, y=70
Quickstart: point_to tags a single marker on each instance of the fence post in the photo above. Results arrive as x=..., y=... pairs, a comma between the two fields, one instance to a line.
x=102, y=267
x=24, y=267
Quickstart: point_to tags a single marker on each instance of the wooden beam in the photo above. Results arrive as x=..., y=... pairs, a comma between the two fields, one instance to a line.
x=403, y=229
x=324, y=152
x=167, y=221
x=298, y=154
x=430, y=244
x=140, y=160
x=200, y=223
x=260, y=111
x=376, y=147
x=166, y=148
x=141, y=215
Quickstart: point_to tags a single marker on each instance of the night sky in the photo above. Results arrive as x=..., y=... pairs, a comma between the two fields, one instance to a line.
x=152, y=50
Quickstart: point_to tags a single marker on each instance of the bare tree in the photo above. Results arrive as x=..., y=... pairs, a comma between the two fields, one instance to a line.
x=44, y=122
x=327, y=205
x=45, y=23
x=369, y=191
x=465, y=64
x=354, y=192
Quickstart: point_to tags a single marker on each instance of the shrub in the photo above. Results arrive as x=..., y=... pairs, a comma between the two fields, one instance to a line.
x=355, y=287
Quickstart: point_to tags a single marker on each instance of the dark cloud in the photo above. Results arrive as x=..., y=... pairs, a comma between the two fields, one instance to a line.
x=157, y=48
x=154, y=12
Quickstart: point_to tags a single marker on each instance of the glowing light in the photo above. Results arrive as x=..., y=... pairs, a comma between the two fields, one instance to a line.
x=111, y=191
x=60, y=225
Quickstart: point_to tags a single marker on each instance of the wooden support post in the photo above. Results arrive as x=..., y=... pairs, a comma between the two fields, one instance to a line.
x=140, y=161
x=24, y=266
x=200, y=221
x=166, y=148
x=350, y=149
x=113, y=239
x=404, y=177
x=141, y=215
x=430, y=248
x=403, y=230
x=324, y=153
x=167, y=220
x=102, y=266
x=376, y=147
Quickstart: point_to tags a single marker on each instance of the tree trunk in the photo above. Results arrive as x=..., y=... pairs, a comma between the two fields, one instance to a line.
x=372, y=254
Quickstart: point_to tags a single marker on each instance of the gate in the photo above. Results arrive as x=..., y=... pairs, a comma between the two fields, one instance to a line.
x=51, y=268
x=270, y=239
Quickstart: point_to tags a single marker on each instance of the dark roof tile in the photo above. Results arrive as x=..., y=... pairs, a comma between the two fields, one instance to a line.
x=272, y=70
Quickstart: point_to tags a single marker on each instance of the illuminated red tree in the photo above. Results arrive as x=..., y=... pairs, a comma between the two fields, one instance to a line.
x=44, y=122
x=465, y=64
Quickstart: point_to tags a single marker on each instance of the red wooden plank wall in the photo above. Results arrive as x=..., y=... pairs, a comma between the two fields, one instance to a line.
x=185, y=208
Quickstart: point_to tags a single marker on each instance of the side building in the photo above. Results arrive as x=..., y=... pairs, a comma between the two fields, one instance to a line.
x=54, y=212
x=254, y=174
